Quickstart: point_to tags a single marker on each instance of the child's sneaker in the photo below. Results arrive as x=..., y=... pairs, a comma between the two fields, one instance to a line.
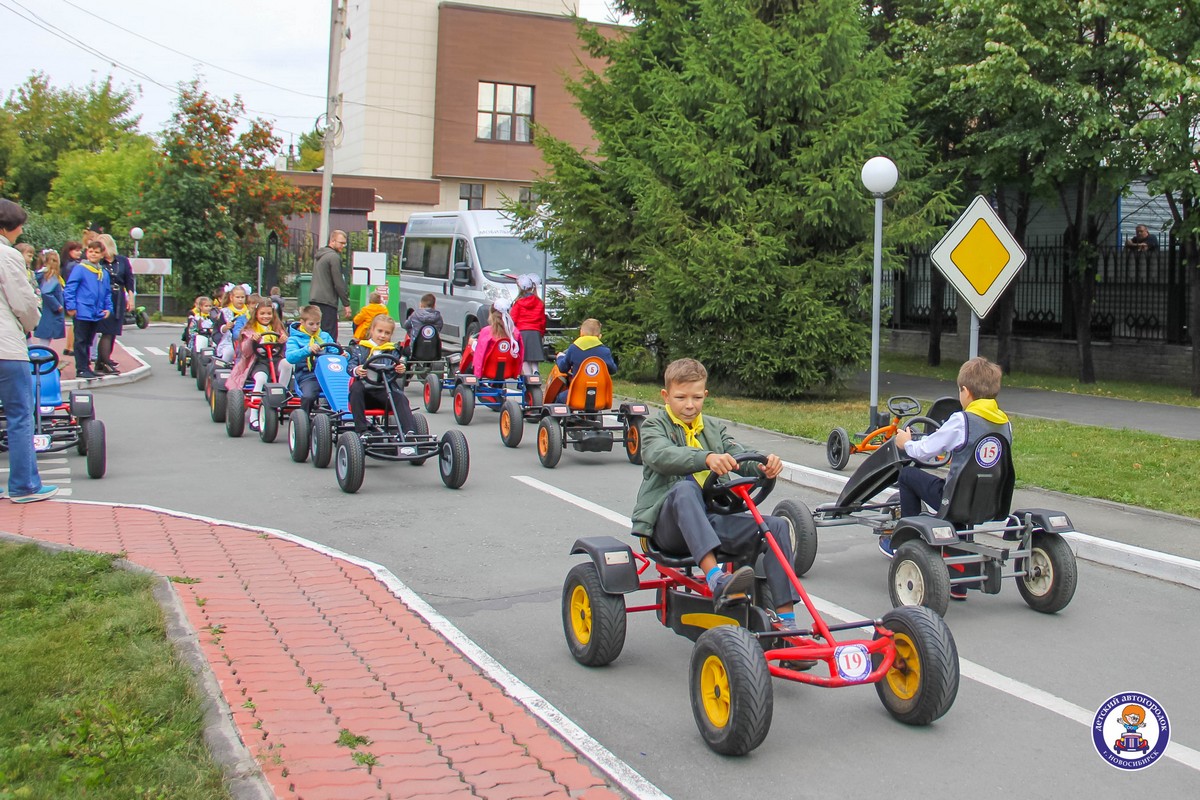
x=44, y=493
x=728, y=585
x=885, y=546
x=958, y=592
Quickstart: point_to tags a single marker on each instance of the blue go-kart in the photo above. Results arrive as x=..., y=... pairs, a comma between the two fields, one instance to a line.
x=60, y=424
x=328, y=433
x=501, y=381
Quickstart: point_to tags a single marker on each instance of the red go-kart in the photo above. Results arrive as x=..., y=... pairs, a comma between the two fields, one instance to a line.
x=910, y=657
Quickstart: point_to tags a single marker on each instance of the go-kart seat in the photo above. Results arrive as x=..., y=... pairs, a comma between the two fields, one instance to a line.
x=501, y=361
x=684, y=560
x=426, y=345
x=942, y=408
x=591, y=387
x=980, y=494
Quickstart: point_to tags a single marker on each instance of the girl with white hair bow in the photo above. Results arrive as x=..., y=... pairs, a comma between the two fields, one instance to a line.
x=500, y=326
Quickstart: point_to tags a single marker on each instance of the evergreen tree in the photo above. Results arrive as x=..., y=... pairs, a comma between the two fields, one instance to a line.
x=722, y=213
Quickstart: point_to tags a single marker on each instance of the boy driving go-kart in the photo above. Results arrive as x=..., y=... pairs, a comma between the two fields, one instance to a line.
x=686, y=517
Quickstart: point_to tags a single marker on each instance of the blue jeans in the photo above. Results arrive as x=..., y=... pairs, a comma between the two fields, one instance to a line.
x=16, y=394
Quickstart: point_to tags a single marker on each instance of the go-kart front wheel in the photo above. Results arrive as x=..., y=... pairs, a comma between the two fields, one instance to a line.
x=172, y=351
x=235, y=413
x=918, y=577
x=464, y=405
x=350, y=462
x=923, y=681
x=268, y=424
x=142, y=320
x=216, y=402
x=1051, y=574
x=299, y=433
x=92, y=432
x=320, y=447
x=730, y=687
x=433, y=393
x=633, y=440
x=837, y=448
x=512, y=423
x=549, y=442
x=593, y=621
x=454, y=459
x=804, y=534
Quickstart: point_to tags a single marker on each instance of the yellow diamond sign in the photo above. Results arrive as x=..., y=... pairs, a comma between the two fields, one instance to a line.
x=978, y=256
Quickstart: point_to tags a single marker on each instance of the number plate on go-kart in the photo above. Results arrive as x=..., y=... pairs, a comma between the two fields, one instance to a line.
x=853, y=662
x=41, y=441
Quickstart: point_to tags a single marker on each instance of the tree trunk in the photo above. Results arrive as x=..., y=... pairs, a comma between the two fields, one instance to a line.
x=1005, y=306
x=937, y=298
x=1193, y=272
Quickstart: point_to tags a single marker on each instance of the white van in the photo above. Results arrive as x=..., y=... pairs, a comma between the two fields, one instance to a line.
x=468, y=260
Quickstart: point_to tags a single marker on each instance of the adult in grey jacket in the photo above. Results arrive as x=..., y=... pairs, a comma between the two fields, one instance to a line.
x=328, y=288
x=19, y=315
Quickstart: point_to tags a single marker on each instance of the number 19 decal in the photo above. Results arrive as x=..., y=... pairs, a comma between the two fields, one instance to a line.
x=853, y=662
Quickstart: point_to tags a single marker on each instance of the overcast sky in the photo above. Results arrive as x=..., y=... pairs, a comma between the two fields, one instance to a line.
x=277, y=48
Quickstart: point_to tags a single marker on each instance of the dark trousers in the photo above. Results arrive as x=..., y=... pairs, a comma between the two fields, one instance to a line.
x=684, y=525
x=917, y=485
x=363, y=397
x=329, y=319
x=85, y=334
x=310, y=390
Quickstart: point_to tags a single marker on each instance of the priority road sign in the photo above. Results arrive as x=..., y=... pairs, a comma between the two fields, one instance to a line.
x=978, y=256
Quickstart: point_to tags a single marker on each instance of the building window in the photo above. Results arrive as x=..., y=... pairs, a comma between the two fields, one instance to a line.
x=470, y=196
x=505, y=112
x=527, y=197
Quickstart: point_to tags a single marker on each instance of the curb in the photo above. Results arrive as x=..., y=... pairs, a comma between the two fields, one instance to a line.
x=133, y=376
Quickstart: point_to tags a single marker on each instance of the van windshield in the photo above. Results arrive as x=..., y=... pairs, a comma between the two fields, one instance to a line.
x=506, y=257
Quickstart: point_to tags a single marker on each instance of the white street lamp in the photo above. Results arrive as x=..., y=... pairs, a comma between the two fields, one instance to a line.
x=879, y=175
x=136, y=234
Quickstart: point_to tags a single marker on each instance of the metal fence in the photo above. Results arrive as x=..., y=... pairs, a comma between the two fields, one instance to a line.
x=1139, y=296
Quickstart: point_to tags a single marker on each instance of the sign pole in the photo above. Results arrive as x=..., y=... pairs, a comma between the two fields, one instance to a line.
x=161, y=280
x=876, y=291
x=974, y=335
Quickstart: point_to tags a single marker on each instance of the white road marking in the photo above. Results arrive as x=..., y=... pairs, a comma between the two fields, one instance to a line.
x=969, y=669
x=158, y=351
x=133, y=351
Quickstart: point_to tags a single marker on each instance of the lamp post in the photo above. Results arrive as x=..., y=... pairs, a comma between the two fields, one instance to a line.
x=879, y=175
x=136, y=234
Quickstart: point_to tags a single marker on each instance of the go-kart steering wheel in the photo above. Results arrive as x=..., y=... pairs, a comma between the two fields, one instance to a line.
x=379, y=365
x=719, y=497
x=902, y=405
x=42, y=359
x=332, y=347
x=920, y=427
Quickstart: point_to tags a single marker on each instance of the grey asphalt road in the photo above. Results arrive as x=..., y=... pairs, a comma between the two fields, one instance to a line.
x=492, y=557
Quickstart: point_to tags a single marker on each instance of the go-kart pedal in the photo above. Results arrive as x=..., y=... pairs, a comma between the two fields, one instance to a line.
x=733, y=588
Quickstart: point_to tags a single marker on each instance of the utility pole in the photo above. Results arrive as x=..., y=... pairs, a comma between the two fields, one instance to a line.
x=337, y=21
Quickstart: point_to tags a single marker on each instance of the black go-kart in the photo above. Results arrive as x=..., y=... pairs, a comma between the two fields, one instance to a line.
x=909, y=654
x=428, y=363
x=60, y=424
x=973, y=541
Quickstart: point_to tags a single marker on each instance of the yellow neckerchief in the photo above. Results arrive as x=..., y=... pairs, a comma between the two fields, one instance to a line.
x=92, y=268
x=260, y=328
x=987, y=409
x=373, y=348
x=588, y=342
x=691, y=437
x=243, y=311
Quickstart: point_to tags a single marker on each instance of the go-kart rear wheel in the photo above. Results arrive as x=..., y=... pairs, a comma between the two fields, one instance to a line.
x=299, y=434
x=199, y=367
x=1051, y=576
x=633, y=440
x=433, y=393
x=235, y=412
x=92, y=432
x=804, y=534
x=454, y=459
x=142, y=320
x=923, y=681
x=217, y=404
x=268, y=424
x=593, y=621
x=730, y=687
x=512, y=423
x=549, y=443
x=464, y=405
x=420, y=428
x=533, y=396
x=350, y=462
x=837, y=448
x=918, y=577
x=172, y=351
x=320, y=447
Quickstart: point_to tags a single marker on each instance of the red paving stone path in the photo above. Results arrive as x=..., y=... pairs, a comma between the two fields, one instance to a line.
x=305, y=645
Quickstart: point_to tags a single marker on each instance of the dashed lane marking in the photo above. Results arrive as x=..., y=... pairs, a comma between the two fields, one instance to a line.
x=158, y=351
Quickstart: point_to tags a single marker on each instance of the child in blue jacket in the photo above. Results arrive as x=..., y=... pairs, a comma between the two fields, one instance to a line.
x=305, y=341
x=586, y=346
x=88, y=299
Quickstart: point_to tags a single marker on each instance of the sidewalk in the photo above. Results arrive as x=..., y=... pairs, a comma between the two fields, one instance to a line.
x=305, y=645
x=132, y=369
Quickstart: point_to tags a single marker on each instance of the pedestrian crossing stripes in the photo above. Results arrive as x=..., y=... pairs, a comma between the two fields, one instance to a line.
x=158, y=351
x=50, y=468
x=133, y=351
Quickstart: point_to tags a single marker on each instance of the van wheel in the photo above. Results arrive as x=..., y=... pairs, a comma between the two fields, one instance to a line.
x=472, y=332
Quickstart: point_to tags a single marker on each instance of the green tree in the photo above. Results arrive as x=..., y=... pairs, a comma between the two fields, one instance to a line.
x=312, y=150
x=214, y=188
x=722, y=213
x=103, y=188
x=41, y=123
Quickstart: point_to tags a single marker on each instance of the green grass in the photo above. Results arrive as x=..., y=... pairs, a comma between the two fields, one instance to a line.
x=1140, y=469
x=93, y=702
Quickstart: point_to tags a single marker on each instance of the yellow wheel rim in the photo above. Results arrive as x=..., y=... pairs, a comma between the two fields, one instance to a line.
x=714, y=689
x=505, y=424
x=905, y=681
x=543, y=441
x=633, y=440
x=581, y=615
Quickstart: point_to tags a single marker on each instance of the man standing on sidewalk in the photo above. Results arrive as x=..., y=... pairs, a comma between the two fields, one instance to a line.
x=329, y=285
x=18, y=315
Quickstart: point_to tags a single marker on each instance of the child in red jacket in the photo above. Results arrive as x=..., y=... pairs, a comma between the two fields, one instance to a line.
x=529, y=316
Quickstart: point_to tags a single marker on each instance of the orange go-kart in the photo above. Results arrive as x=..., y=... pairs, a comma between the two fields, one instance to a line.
x=586, y=420
x=841, y=445
x=910, y=655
